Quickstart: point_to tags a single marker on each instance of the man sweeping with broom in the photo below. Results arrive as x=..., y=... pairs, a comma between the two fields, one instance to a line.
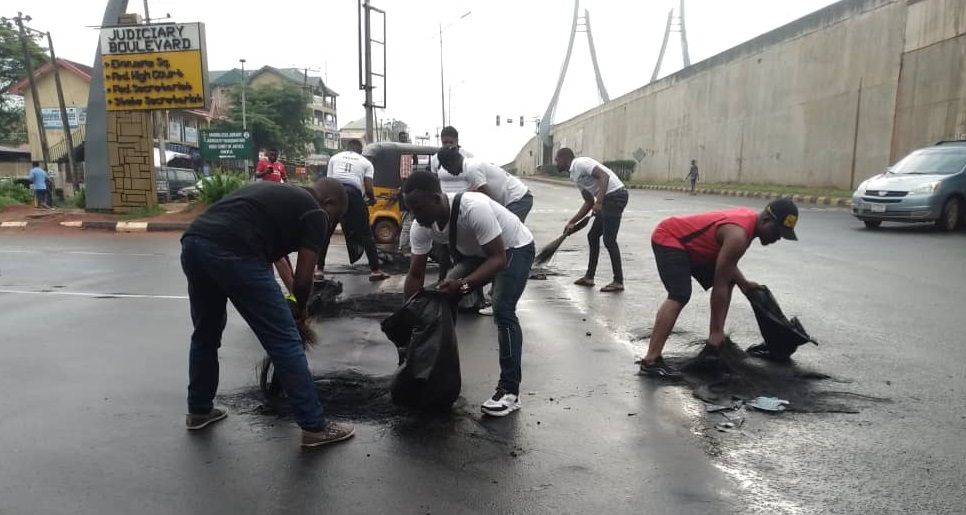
x=707, y=247
x=227, y=254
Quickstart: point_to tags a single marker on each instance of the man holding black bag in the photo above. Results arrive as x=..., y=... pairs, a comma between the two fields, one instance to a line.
x=488, y=243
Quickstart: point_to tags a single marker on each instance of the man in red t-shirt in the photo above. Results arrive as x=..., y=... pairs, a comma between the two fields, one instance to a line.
x=707, y=247
x=271, y=169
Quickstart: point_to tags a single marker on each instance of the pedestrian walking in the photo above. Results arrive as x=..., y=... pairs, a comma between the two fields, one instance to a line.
x=693, y=175
x=39, y=179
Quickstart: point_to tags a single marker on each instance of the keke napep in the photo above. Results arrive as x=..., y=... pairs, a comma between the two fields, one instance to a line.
x=391, y=162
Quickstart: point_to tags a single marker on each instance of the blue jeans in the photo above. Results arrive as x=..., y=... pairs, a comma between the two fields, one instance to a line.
x=508, y=287
x=521, y=207
x=215, y=276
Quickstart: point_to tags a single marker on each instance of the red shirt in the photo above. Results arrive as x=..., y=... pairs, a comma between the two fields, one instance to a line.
x=276, y=173
x=696, y=233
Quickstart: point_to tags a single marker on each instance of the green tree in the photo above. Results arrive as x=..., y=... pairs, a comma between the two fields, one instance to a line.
x=277, y=116
x=13, y=68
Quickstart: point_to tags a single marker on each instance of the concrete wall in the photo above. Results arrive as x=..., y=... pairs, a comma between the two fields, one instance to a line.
x=931, y=104
x=812, y=103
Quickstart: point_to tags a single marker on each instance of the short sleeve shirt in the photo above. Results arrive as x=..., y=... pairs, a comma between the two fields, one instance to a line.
x=479, y=222
x=581, y=170
x=350, y=169
x=267, y=220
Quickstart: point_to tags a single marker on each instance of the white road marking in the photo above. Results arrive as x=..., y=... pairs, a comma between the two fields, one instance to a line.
x=13, y=225
x=97, y=295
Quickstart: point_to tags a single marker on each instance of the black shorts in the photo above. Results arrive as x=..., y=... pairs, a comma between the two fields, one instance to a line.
x=676, y=270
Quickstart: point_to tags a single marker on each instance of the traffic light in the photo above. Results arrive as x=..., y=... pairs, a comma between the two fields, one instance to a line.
x=521, y=121
x=497, y=120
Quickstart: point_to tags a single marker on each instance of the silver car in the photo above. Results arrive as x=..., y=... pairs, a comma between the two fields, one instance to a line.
x=928, y=185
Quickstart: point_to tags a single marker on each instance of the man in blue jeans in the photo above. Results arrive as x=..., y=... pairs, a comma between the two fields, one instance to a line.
x=227, y=254
x=491, y=244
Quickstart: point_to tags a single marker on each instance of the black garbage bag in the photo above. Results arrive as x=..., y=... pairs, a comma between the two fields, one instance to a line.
x=782, y=336
x=428, y=376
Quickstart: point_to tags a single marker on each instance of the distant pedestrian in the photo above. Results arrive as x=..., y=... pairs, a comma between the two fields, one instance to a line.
x=271, y=169
x=693, y=175
x=707, y=247
x=226, y=255
x=605, y=195
x=355, y=172
x=39, y=179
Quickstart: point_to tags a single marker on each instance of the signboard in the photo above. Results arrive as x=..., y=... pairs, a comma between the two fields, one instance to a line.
x=151, y=67
x=191, y=135
x=76, y=116
x=225, y=145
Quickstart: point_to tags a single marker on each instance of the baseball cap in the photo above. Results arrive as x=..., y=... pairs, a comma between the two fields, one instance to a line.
x=785, y=212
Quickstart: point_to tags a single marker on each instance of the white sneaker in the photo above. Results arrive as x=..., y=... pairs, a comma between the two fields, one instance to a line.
x=501, y=404
x=486, y=312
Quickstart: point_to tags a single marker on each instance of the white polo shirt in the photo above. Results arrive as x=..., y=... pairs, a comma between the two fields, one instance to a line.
x=479, y=222
x=350, y=168
x=580, y=172
x=448, y=182
x=505, y=188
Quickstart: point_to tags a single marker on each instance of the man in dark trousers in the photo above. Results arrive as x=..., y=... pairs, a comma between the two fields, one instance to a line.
x=693, y=175
x=606, y=196
x=707, y=247
x=227, y=254
x=492, y=244
x=355, y=172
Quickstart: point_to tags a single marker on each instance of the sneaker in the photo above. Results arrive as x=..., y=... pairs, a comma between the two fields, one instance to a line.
x=333, y=432
x=501, y=404
x=195, y=422
x=486, y=312
x=659, y=369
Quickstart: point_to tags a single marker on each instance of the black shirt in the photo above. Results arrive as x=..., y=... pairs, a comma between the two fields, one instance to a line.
x=267, y=220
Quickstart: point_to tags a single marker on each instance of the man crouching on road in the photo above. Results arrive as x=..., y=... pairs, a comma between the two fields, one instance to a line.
x=707, y=247
x=227, y=254
x=491, y=244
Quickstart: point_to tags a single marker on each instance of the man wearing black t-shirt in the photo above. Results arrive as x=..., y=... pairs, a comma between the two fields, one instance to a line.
x=227, y=254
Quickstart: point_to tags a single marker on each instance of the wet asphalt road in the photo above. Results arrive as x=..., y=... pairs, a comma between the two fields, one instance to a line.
x=96, y=329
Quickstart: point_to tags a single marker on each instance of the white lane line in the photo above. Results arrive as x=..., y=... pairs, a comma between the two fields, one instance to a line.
x=98, y=295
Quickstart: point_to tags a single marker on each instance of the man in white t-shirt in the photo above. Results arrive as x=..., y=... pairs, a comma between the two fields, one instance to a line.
x=491, y=245
x=355, y=172
x=449, y=182
x=489, y=179
x=606, y=196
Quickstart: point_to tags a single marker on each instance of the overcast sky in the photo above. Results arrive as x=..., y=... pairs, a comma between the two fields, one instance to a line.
x=503, y=58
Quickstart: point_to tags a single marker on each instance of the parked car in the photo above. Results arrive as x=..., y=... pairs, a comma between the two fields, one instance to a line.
x=928, y=185
x=170, y=181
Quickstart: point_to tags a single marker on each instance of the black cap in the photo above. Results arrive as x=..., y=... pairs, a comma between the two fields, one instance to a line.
x=785, y=212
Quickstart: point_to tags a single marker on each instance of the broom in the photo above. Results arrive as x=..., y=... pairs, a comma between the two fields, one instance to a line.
x=548, y=251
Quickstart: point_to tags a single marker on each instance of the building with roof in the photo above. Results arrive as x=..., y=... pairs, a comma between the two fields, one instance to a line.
x=180, y=128
x=385, y=130
x=322, y=102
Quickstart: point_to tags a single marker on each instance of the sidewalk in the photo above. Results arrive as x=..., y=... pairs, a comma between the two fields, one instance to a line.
x=837, y=202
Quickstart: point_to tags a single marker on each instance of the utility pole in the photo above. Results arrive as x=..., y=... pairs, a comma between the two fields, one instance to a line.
x=68, y=137
x=244, y=86
x=365, y=63
x=44, y=149
x=157, y=119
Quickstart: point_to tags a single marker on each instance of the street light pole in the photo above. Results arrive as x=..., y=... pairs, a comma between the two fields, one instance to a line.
x=45, y=151
x=442, y=79
x=244, y=86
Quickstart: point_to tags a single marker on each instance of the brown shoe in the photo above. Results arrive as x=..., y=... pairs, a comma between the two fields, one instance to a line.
x=612, y=287
x=334, y=432
x=583, y=281
x=195, y=422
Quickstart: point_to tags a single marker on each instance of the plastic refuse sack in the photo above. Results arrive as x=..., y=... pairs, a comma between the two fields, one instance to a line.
x=781, y=336
x=768, y=404
x=424, y=333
